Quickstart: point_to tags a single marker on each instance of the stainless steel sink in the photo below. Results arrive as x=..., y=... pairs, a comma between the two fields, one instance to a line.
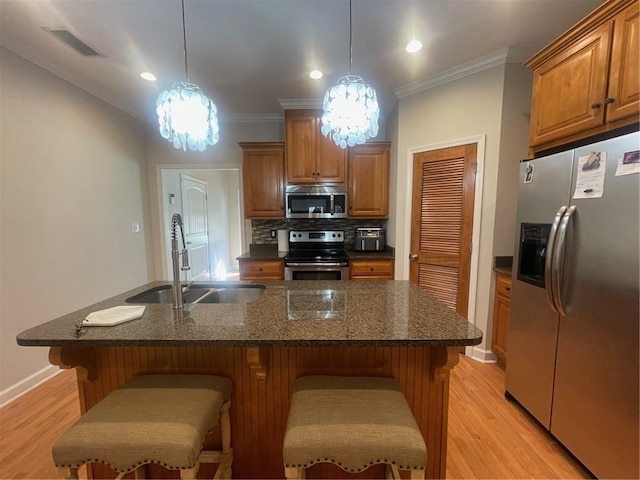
x=202, y=293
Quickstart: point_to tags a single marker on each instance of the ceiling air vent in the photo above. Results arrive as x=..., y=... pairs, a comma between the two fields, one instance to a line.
x=74, y=42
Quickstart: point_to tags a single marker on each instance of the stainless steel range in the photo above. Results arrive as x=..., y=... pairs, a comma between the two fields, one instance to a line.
x=316, y=255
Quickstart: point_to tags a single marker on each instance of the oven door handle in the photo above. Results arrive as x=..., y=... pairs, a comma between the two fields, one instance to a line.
x=306, y=264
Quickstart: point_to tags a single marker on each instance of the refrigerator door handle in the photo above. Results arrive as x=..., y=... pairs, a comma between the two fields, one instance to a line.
x=549, y=260
x=558, y=262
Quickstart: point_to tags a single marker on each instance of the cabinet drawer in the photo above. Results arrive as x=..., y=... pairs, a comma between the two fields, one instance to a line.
x=371, y=268
x=503, y=286
x=261, y=269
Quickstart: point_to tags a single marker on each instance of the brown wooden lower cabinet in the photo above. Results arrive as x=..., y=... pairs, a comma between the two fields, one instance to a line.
x=261, y=269
x=378, y=269
x=262, y=386
x=501, y=310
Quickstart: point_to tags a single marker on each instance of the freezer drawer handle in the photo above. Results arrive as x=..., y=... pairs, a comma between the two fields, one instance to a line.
x=558, y=262
x=548, y=264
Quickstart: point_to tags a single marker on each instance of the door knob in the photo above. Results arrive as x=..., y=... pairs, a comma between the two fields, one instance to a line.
x=413, y=256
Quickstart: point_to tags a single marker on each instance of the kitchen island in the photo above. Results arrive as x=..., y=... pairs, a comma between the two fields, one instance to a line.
x=380, y=328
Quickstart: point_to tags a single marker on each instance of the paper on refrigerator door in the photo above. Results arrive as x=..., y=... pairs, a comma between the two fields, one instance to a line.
x=591, y=172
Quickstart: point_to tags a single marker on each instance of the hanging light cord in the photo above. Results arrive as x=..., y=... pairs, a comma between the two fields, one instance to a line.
x=184, y=38
x=350, y=38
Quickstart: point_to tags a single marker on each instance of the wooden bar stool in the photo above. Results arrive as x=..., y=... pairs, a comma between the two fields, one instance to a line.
x=161, y=419
x=352, y=422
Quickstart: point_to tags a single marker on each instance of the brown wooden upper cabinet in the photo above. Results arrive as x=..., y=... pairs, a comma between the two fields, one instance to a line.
x=263, y=179
x=368, y=186
x=310, y=157
x=587, y=81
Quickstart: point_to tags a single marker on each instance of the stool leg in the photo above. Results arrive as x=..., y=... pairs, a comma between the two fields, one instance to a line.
x=225, y=426
x=69, y=473
x=189, y=473
x=417, y=474
x=140, y=473
x=294, y=473
x=392, y=472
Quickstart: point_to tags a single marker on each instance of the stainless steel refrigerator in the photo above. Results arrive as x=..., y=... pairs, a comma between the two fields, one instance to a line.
x=575, y=307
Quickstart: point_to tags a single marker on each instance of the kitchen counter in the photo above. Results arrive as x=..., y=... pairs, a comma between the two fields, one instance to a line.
x=377, y=328
x=262, y=252
x=387, y=254
x=503, y=265
x=302, y=313
x=270, y=252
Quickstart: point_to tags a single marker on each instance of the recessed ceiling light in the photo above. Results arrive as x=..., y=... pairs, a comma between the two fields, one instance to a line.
x=148, y=76
x=413, y=46
x=316, y=74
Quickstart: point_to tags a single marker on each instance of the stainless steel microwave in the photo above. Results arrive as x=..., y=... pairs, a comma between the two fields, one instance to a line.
x=312, y=201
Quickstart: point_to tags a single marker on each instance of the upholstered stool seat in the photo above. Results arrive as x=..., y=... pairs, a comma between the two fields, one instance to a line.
x=353, y=422
x=161, y=419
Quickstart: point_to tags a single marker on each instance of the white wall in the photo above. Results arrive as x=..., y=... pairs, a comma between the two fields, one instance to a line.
x=514, y=136
x=467, y=107
x=73, y=179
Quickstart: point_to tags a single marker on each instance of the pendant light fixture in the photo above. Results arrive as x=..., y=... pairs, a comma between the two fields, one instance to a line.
x=187, y=117
x=350, y=107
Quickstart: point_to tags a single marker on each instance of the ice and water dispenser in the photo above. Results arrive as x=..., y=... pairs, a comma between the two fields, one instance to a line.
x=533, y=252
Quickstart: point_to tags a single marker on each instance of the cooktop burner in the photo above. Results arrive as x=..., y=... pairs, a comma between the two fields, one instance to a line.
x=316, y=246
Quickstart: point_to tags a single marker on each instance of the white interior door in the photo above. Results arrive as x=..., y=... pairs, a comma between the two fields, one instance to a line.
x=196, y=229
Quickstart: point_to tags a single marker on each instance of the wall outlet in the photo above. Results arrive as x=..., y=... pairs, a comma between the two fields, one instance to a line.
x=274, y=233
x=135, y=228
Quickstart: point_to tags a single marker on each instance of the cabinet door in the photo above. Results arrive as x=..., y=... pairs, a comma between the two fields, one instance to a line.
x=624, y=82
x=368, y=180
x=301, y=146
x=263, y=180
x=569, y=89
x=501, y=312
x=331, y=159
x=371, y=269
x=261, y=270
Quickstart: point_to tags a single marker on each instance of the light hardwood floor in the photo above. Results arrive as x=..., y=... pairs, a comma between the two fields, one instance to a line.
x=489, y=437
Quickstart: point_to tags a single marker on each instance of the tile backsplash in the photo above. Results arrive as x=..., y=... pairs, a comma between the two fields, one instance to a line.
x=262, y=228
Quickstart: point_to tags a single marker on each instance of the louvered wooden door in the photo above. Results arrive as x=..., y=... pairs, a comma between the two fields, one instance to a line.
x=442, y=223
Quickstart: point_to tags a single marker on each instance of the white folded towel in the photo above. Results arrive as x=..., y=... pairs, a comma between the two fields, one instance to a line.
x=113, y=316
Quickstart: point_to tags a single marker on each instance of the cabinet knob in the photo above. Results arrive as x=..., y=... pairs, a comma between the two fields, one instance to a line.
x=595, y=105
x=609, y=100
x=413, y=256
x=371, y=269
x=508, y=289
x=260, y=269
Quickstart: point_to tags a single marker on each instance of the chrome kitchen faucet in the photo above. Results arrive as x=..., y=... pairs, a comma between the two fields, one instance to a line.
x=176, y=221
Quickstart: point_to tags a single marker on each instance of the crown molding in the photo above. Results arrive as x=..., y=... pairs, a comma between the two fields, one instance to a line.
x=300, y=103
x=253, y=118
x=502, y=56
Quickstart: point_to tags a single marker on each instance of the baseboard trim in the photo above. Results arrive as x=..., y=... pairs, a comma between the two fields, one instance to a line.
x=481, y=355
x=32, y=381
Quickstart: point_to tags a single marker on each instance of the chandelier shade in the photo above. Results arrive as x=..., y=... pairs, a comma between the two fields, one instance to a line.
x=351, y=112
x=350, y=108
x=187, y=117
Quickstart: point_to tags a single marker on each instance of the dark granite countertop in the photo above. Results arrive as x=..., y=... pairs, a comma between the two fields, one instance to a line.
x=262, y=252
x=270, y=252
x=298, y=313
x=503, y=265
x=387, y=254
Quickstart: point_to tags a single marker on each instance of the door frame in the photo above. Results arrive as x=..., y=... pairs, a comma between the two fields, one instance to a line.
x=159, y=213
x=480, y=141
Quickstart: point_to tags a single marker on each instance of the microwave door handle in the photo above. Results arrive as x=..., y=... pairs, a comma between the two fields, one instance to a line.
x=558, y=262
x=331, y=204
x=548, y=264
